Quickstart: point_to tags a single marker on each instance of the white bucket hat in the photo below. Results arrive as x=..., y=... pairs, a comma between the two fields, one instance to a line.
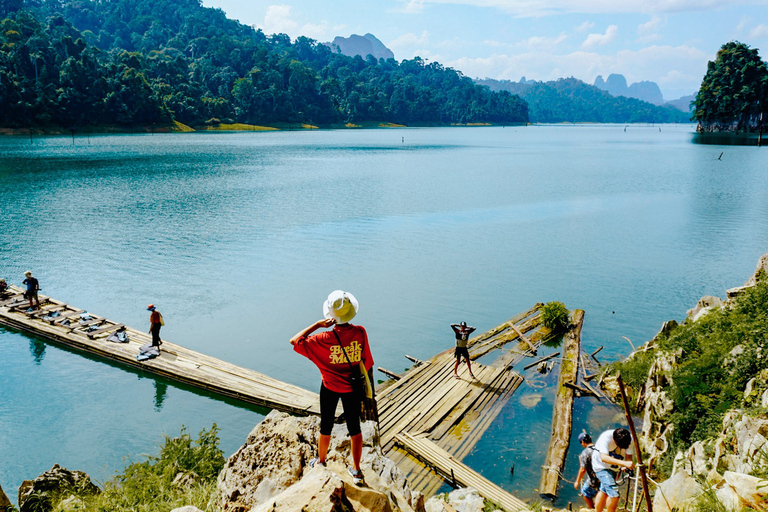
x=341, y=306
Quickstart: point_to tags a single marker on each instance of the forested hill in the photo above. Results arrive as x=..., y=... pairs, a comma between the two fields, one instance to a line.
x=147, y=62
x=569, y=100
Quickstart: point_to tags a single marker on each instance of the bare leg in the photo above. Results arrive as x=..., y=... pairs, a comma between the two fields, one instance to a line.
x=322, y=447
x=590, y=502
x=455, y=366
x=613, y=503
x=600, y=501
x=357, y=450
x=470, y=369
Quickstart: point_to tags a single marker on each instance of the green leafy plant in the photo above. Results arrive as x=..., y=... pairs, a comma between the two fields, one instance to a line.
x=555, y=316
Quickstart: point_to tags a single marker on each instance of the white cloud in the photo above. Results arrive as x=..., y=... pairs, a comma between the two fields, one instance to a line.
x=759, y=32
x=277, y=20
x=584, y=27
x=318, y=31
x=544, y=7
x=413, y=6
x=678, y=70
x=409, y=40
x=593, y=40
x=539, y=43
x=648, y=32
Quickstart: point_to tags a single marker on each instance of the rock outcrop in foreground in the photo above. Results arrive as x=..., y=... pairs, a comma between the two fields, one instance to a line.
x=271, y=472
x=719, y=466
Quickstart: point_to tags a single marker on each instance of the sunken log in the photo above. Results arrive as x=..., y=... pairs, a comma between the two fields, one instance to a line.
x=562, y=413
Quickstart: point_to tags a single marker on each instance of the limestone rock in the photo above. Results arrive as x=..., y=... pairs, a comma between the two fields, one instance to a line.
x=705, y=305
x=761, y=270
x=187, y=508
x=5, y=503
x=747, y=488
x=272, y=468
x=52, y=485
x=460, y=500
x=676, y=493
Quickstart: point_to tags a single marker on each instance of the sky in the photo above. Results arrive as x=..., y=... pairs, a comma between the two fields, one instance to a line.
x=664, y=41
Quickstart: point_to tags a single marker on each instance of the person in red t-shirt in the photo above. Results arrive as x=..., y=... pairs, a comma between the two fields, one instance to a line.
x=155, y=322
x=325, y=350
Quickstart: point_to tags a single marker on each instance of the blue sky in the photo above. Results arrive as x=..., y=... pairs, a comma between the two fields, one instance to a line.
x=665, y=41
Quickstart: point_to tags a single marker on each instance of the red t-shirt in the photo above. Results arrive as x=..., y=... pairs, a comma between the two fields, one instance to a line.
x=323, y=349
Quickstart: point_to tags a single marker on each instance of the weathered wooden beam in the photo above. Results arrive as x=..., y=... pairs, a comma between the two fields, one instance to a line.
x=545, y=358
x=562, y=414
x=414, y=360
x=593, y=354
x=592, y=391
x=523, y=337
x=391, y=375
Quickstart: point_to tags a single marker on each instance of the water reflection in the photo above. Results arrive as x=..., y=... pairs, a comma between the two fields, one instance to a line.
x=726, y=139
x=160, y=391
x=37, y=349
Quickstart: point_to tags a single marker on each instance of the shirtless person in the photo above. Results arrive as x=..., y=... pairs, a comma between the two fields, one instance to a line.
x=462, y=332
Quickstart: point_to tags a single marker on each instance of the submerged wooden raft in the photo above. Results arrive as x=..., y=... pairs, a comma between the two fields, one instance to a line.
x=562, y=414
x=452, y=414
x=175, y=362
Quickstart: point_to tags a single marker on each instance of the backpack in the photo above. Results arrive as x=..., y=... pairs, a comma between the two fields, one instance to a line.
x=593, y=480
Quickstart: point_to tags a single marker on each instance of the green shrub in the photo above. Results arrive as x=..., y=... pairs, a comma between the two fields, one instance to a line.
x=148, y=486
x=555, y=316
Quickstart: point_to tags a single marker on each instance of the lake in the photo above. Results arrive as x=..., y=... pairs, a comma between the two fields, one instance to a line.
x=239, y=237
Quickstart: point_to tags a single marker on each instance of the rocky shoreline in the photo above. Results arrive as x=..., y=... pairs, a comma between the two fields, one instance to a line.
x=270, y=472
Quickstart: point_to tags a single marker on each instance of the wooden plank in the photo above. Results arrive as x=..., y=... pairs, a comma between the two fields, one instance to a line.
x=391, y=375
x=562, y=415
x=545, y=358
x=449, y=467
x=103, y=330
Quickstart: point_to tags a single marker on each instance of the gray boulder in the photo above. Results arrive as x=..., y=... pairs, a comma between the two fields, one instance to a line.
x=56, y=484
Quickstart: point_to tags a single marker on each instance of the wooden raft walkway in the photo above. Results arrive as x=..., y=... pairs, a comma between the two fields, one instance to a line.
x=451, y=469
x=451, y=415
x=175, y=362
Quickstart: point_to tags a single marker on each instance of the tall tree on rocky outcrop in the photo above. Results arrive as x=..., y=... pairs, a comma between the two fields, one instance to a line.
x=734, y=92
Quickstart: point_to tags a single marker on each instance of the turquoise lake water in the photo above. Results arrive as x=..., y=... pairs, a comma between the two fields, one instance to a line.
x=239, y=237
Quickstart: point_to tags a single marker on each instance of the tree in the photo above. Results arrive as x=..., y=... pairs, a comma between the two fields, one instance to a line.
x=734, y=91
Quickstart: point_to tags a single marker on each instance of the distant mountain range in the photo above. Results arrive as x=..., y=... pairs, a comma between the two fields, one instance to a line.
x=569, y=100
x=362, y=46
x=616, y=85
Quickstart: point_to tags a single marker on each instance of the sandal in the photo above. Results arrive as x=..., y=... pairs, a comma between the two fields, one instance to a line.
x=315, y=462
x=357, y=476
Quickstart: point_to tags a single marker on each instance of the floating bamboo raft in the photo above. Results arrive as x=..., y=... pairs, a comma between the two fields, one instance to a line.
x=447, y=416
x=175, y=362
x=452, y=414
x=562, y=414
x=458, y=473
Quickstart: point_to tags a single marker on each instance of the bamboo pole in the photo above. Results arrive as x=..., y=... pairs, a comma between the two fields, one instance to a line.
x=638, y=454
x=562, y=415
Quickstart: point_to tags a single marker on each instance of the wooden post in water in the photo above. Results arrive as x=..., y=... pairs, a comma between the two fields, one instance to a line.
x=562, y=414
x=636, y=442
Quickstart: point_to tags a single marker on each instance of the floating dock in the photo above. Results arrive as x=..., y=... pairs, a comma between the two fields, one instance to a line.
x=428, y=403
x=428, y=420
x=175, y=363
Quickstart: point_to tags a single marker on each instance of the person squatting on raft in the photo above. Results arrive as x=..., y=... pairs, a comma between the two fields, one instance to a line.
x=591, y=482
x=155, y=322
x=33, y=286
x=327, y=350
x=612, y=449
x=462, y=332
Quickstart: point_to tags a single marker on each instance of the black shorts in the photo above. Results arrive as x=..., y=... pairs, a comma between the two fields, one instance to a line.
x=461, y=351
x=328, y=402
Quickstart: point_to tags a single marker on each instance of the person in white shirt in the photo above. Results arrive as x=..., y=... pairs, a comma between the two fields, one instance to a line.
x=613, y=449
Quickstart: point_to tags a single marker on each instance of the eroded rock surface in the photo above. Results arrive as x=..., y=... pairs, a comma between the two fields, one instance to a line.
x=271, y=472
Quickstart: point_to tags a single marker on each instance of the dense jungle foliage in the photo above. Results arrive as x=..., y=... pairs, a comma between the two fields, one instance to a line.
x=74, y=63
x=569, y=100
x=720, y=353
x=734, y=92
